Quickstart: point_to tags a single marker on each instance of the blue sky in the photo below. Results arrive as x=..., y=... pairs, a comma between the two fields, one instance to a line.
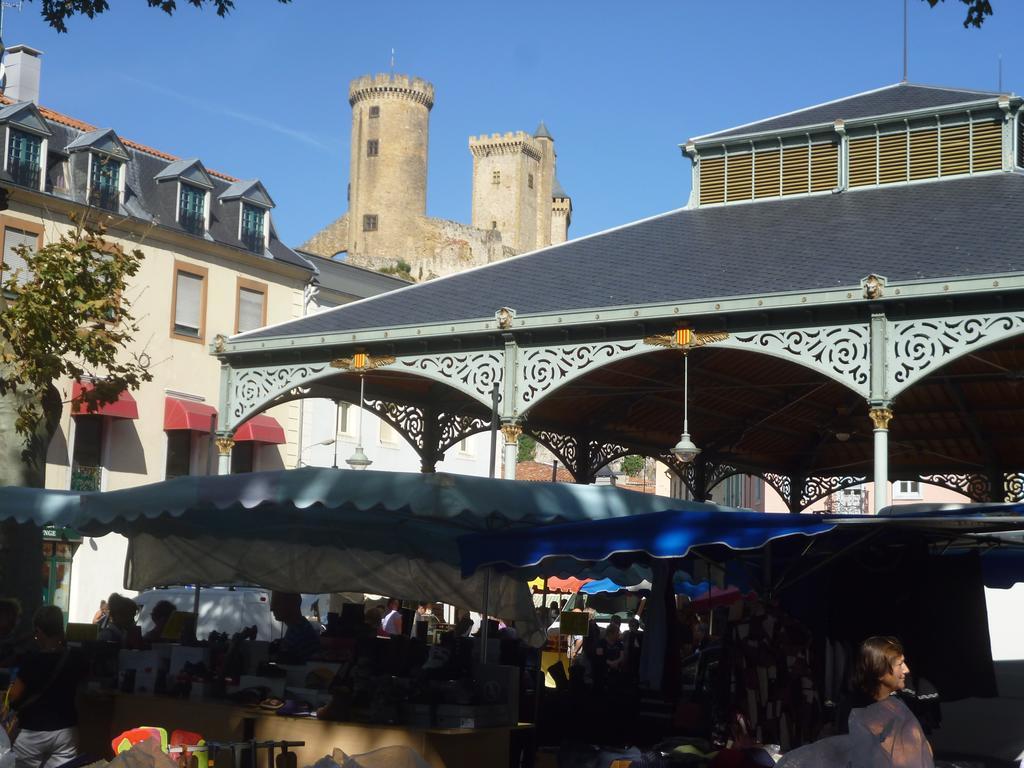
x=263, y=93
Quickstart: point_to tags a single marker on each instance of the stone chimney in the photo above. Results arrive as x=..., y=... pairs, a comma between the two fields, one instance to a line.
x=22, y=65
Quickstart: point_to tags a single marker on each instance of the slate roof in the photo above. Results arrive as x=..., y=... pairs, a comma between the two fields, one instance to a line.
x=892, y=99
x=945, y=229
x=145, y=198
x=542, y=132
x=557, y=191
x=351, y=281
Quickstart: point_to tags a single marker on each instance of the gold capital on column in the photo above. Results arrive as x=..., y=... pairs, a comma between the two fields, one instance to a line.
x=224, y=445
x=512, y=433
x=880, y=417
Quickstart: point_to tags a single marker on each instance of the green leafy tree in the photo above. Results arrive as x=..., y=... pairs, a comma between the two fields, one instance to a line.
x=527, y=449
x=64, y=316
x=977, y=10
x=56, y=13
x=632, y=465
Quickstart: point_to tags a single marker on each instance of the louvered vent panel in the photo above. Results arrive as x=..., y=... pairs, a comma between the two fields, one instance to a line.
x=795, y=170
x=987, y=146
x=955, y=150
x=924, y=154
x=767, y=176
x=824, y=167
x=892, y=158
x=863, y=158
x=740, y=178
x=712, y=180
x=1020, y=140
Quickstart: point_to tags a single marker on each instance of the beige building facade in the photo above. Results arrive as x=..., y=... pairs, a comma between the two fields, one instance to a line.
x=518, y=204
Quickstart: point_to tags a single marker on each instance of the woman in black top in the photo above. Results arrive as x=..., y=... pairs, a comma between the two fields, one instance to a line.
x=44, y=696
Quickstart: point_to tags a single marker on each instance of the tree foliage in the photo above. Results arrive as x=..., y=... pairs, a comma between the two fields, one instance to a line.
x=67, y=318
x=527, y=449
x=632, y=465
x=977, y=10
x=56, y=13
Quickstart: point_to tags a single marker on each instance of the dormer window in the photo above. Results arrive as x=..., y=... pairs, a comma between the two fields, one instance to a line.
x=24, y=153
x=253, y=218
x=192, y=208
x=105, y=182
x=193, y=186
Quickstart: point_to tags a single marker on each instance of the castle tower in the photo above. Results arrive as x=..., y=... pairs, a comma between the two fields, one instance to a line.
x=506, y=171
x=388, y=172
x=561, y=213
x=544, y=184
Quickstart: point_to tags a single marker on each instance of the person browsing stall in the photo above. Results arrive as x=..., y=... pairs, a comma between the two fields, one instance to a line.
x=301, y=640
x=43, y=695
x=391, y=624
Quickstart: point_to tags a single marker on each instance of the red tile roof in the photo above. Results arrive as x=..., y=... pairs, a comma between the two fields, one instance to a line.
x=80, y=125
x=536, y=472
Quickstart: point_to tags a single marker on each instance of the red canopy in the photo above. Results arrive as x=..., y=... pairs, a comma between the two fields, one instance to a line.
x=261, y=429
x=124, y=407
x=187, y=414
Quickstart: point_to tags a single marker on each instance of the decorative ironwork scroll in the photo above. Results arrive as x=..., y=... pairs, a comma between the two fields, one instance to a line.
x=1013, y=487
x=453, y=428
x=841, y=352
x=543, y=369
x=408, y=420
x=782, y=484
x=252, y=388
x=917, y=347
x=973, y=486
x=816, y=488
x=684, y=470
x=582, y=457
x=720, y=472
x=474, y=373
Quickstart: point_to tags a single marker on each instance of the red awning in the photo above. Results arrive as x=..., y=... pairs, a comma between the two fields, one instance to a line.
x=124, y=407
x=186, y=414
x=261, y=429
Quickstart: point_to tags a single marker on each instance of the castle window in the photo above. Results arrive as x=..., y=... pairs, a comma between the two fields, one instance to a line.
x=372, y=147
x=495, y=177
x=23, y=158
x=494, y=225
x=370, y=222
x=529, y=180
x=192, y=209
x=374, y=112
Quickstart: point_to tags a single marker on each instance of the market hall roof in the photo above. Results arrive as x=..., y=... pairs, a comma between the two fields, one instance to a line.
x=951, y=228
x=894, y=99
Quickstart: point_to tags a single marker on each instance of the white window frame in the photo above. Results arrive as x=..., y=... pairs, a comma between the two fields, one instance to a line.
x=44, y=152
x=899, y=493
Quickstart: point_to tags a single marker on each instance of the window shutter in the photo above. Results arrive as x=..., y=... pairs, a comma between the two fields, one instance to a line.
x=795, y=170
x=767, y=174
x=986, y=146
x=250, y=309
x=13, y=261
x=863, y=161
x=740, y=177
x=712, y=180
x=924, y=154
x=892, y=158
x=955, y=150
x=824, y=167
x=187, y=303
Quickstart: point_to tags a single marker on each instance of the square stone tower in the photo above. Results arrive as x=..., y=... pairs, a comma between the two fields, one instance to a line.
x=513, y=179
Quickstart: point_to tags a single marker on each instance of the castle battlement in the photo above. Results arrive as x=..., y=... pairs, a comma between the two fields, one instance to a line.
x=510, y=142
x=391, y=86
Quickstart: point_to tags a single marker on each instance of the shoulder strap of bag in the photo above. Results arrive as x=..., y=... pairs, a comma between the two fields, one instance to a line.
x=49, y=682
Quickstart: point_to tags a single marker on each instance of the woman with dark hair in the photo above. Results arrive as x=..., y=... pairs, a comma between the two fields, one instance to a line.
x=884, y=733
x=44, y=696
x=160, y=615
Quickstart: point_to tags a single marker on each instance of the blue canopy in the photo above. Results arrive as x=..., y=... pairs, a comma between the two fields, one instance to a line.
x=666, y=534
x=619, y=543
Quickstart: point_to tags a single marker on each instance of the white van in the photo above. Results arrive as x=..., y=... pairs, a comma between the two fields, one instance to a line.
x=221, y=609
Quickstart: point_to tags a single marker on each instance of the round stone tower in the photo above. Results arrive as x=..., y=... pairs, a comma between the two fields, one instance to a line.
x=388, y=173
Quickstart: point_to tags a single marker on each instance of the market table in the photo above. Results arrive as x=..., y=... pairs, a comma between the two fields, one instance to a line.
x=104, y=715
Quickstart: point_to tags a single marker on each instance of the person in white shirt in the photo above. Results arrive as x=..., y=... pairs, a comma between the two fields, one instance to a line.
x=391, y=624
